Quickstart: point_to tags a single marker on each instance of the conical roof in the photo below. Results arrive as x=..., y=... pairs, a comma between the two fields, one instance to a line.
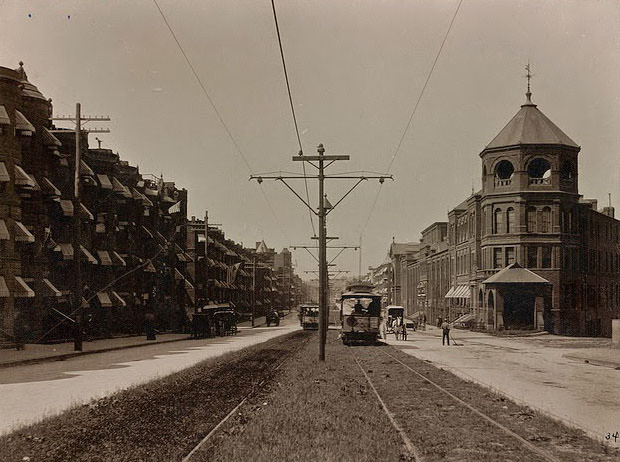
x=262, y=248
x=530, y=126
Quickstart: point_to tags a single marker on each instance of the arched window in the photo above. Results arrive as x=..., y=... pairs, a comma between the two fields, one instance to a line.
x=510, y=220
x=531, y=219
x=544, y=226
x=539, y=171
x=497, y=221
x=504, y=170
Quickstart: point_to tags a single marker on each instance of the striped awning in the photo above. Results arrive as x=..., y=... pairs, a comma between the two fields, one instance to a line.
x=23, y=179
x=465, y=318
x=460, y=291
x=22, y=124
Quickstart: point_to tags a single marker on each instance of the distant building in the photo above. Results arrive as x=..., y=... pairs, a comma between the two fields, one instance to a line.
x=563, y=253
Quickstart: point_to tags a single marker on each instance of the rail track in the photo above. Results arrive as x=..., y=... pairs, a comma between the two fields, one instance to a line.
x=405, y=372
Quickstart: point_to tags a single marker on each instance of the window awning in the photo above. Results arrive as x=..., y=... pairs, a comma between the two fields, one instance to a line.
x=4, y=173
x=89, y=255
x=104, y=181
x=22, y=124
x=4, y=231
x=4, y=116
x=104, y=300
x=23, y=179
x=85, y=169
x=22, y=234
x=47, y=289
x=22, y=290
x=462, y=292
x=117, y=259
x=85, y=213
x=67, y=207
x=104, y=258
x=150, y=192
x=48, y=187
x=149, y=268
x=66, y=250
x=182, y=258
x=178, y=276
x=100, y=228
x=190, y=291
x=4, y=289
x=49, y=139
x=146, y=231
x=117, y=299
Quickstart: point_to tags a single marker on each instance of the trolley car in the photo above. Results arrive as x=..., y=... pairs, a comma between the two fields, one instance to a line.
x=360, y=314
x=309, y=316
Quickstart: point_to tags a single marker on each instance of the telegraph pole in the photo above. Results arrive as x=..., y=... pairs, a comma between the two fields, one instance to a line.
x=206, y=257
x=318, y=162
x=77, y=219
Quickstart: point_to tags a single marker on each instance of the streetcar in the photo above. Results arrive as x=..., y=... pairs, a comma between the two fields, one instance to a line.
x=309, y=316
x=360, y=314
x=393, y=312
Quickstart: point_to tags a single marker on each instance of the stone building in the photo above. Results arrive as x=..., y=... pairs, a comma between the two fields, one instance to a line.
x=529, y=216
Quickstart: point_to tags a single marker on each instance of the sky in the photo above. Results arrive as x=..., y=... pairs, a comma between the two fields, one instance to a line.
x=356, y=70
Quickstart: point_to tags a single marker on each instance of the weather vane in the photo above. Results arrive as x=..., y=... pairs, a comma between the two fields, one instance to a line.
x=528, y=76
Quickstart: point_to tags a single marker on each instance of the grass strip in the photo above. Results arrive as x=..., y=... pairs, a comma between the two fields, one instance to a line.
x=158, y=421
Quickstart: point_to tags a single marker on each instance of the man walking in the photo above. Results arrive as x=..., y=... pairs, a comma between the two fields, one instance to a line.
x=445, y=327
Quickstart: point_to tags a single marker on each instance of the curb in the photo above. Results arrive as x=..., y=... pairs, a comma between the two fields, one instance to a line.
x=66, y=356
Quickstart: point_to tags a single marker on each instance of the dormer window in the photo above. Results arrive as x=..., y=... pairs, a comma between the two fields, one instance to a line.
x=539, y=171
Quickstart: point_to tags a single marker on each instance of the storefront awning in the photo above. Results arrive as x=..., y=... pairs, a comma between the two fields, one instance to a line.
x=460, y=291
x=117, y=299
x=22, y=234
x=104, y=258
x=465, y=318
x=104, y=299
x=22, y=290
x=4, y=231
x=4, y=289
x=104, y=181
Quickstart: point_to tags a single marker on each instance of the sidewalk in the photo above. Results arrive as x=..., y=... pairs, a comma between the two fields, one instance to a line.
x=37, y=353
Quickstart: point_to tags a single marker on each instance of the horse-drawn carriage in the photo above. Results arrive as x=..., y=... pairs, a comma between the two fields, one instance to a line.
x=214, y=320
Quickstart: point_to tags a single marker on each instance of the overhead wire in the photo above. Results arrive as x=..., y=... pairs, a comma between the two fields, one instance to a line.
x=217, y=112
x=413, y=112
x=290, y=99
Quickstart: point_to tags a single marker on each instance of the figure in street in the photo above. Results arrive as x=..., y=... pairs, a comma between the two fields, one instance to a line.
x=445, y=327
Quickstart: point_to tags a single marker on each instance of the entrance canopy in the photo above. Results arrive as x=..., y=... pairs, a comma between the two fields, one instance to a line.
x=515, y=274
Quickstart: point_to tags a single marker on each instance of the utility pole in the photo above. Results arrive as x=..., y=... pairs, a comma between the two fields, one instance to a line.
x=206, y=257
x=253, y=288
x=77, y=219
x=324, y=209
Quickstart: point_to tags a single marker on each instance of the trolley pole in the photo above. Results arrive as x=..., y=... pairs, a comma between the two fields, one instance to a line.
x=77, y=218
x=323, y=210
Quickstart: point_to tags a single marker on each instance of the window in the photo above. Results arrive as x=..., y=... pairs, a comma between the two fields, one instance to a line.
x=510, y=219
x=532, y=257
x=545, y=220
x=531, y=219
x=497, y=257
x=567, y=171
x=510, y=255
x=504, y=172
x=539, y=171
x=546, y=257
x=497, y=221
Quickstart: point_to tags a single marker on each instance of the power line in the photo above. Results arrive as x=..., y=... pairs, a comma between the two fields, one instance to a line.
x=413, y=112
x=290, y=100
x=219, y=116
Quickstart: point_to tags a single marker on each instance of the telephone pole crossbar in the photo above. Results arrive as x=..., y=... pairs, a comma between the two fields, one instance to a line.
x=321, y=162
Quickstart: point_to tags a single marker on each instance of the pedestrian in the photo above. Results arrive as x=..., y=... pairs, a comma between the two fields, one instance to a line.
x=445, y=327
x=439, y=321
x=404, y=330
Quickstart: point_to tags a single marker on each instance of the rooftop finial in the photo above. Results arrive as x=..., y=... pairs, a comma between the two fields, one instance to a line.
x=528, y=76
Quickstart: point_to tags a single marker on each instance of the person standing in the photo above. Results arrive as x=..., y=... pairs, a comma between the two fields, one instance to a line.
x=403, y=332
x=445, y=327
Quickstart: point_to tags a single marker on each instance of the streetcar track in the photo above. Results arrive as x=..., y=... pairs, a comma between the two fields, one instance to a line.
x=406, y=441
x=541, y=452
x=253, y=391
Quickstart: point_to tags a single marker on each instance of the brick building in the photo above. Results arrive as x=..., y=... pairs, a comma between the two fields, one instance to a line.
x=530, y=216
